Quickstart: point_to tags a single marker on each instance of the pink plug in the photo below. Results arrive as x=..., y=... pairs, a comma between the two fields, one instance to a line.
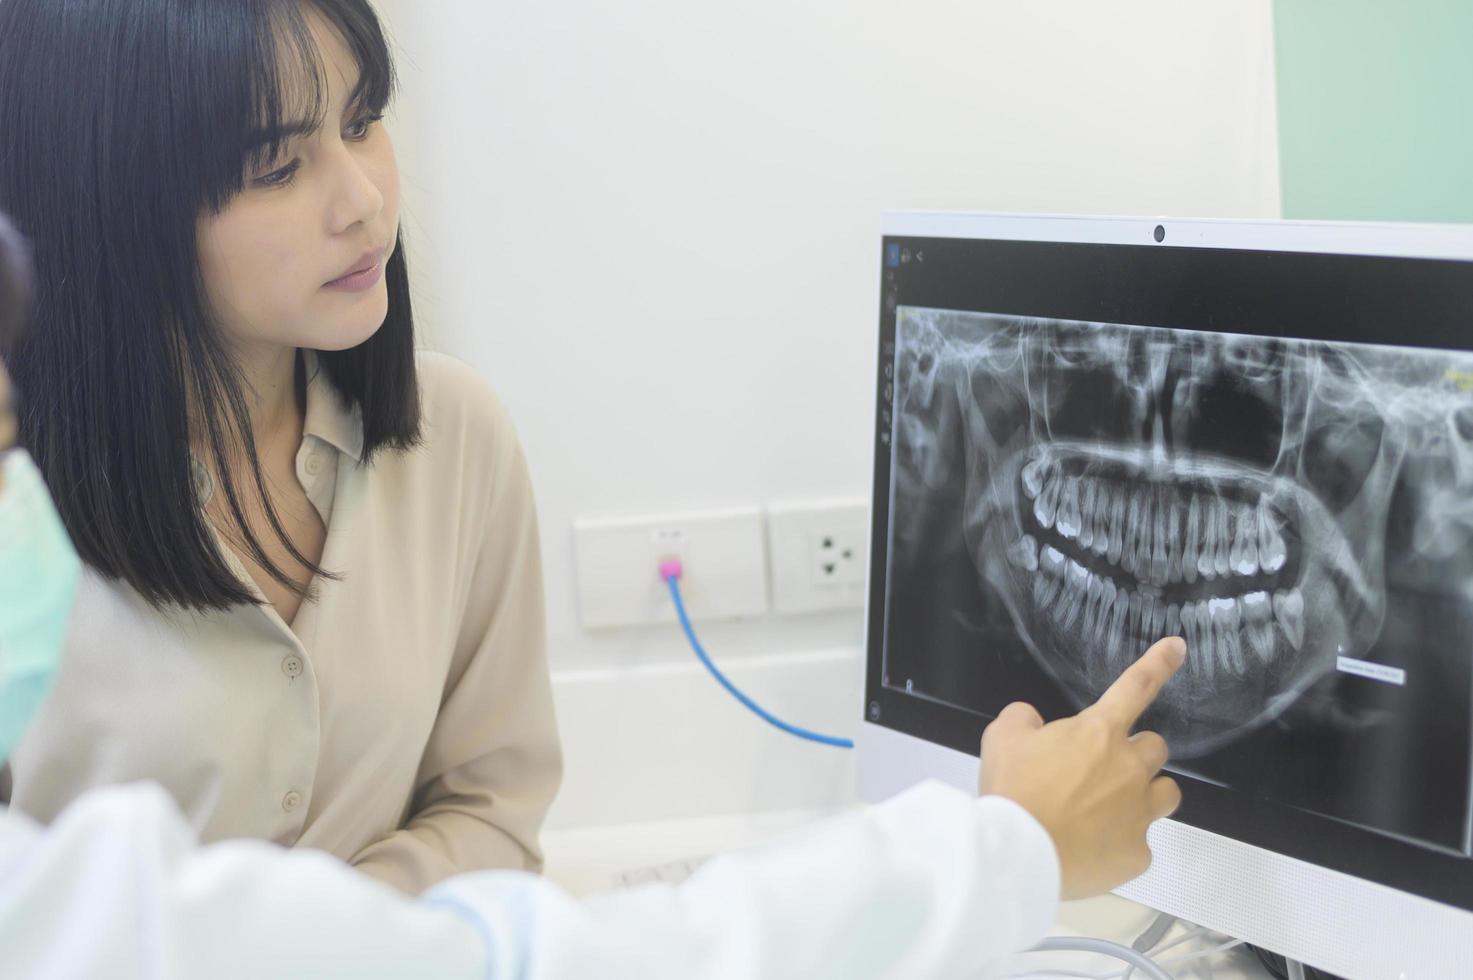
x=671, y=568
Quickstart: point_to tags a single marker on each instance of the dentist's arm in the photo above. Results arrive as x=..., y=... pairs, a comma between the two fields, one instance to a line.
x=931, y=884
x=934, y=883
x=927, y=885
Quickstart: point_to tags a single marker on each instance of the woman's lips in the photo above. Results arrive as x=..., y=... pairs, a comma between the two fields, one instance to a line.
x=364, y=275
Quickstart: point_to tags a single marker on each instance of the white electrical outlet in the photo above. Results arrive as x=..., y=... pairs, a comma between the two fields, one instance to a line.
x=819, y=551
x=836, y=557
x=618, y=561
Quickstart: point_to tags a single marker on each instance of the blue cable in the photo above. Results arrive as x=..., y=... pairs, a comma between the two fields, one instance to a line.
x=673, y=580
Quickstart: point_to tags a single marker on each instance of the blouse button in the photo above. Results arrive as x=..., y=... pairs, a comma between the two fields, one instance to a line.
x=291, y=801
x=314, y=463
x=292, y=666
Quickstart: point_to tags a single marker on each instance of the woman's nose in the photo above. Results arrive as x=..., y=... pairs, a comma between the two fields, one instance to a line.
x=357, y=198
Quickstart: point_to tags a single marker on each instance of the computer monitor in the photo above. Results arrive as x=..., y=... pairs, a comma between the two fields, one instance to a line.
x=1094, y=432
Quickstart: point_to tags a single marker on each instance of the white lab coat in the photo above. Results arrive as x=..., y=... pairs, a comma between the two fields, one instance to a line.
x=931, y=884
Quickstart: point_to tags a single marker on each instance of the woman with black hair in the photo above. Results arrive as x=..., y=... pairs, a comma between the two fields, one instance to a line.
x=312, y=608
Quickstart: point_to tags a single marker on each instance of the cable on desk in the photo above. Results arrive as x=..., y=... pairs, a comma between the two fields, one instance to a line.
x=1102, y=947
x=1279, y=966
x=1154, y=933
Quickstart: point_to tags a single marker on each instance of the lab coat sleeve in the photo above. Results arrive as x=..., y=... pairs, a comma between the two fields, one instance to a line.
x=493, y=762
x=932, y=884
x=116, y=887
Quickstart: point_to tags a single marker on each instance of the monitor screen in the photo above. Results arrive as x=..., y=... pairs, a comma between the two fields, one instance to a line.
x=1087, y=447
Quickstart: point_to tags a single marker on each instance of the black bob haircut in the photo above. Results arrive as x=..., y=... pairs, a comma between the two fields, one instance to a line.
x=122, y=122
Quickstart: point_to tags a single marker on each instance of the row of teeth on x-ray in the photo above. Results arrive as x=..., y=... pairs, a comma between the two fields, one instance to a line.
x=1150, y=532
x=1222, y=632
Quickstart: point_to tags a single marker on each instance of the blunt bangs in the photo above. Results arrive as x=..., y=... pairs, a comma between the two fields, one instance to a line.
x=269, y=86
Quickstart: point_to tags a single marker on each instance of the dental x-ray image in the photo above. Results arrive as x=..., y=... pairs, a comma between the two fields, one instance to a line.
x=1300, y=512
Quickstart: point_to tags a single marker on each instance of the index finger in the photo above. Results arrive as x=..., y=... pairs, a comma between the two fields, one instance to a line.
x=1134, y=690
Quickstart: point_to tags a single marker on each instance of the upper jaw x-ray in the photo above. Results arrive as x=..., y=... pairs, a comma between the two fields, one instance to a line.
x=1127, y=483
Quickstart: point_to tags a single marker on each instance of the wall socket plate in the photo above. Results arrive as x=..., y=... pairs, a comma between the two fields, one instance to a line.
x=618, y=562
x=819, y=554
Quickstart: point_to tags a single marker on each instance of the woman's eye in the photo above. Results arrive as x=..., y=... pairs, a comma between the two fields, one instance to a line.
x=359, y=130
x=281, y=177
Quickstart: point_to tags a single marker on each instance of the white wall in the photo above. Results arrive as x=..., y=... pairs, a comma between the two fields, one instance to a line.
x=654, y=224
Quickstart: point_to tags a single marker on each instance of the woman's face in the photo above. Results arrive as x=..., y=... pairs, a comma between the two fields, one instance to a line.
x=297, y=259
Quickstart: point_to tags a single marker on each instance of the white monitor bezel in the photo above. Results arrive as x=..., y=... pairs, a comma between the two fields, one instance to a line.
x=1348, y=925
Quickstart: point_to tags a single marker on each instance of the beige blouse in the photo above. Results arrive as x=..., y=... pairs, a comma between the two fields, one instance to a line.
x=405, y=722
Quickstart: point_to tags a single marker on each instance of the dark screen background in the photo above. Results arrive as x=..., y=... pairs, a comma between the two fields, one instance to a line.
x=944, y=656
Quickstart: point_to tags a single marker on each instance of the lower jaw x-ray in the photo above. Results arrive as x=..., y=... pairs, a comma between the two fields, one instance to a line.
x=1301, y=512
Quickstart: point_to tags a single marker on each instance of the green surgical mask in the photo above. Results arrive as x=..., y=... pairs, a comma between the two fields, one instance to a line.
x=38, y=581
